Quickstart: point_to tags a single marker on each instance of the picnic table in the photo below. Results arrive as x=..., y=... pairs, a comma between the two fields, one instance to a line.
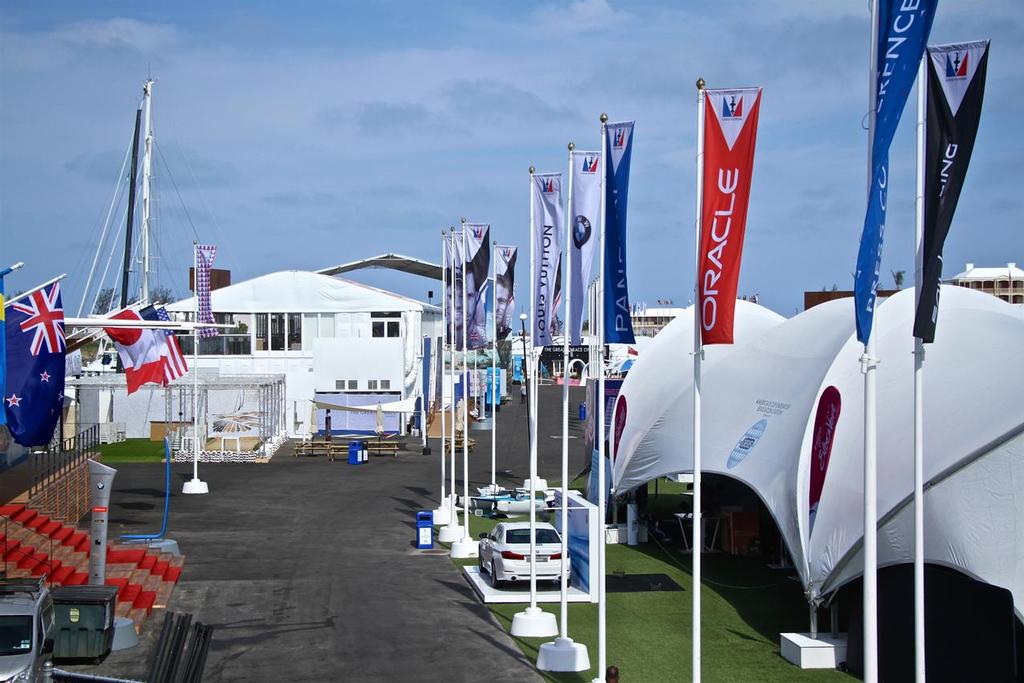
x=315, y=447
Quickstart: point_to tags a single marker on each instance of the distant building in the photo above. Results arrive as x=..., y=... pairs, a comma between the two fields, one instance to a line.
x=1005, y=282
x=812, y=299
x=648, y=322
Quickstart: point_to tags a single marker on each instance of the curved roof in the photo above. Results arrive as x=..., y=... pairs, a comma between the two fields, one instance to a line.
x=404, y=264
x=302, y=291
x=759, y=403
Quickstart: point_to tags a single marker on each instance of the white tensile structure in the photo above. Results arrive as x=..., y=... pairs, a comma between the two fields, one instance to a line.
x=760, y=399
x=334, y=339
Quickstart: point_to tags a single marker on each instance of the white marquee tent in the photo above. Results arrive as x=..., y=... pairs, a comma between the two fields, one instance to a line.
x=759, y=403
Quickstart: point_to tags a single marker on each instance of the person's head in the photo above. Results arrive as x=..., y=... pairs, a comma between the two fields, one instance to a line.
x=611, y=674
x=503, y=298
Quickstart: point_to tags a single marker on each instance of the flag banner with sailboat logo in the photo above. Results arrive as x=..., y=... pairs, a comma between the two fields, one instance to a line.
x=618, y=324
x=478, y=268
x=504, y=290
x=730, y=136
x=584, y=210
x=34, y=395
x=205, y=254
x=547, y=255
x=903, y=29
x=956, y=87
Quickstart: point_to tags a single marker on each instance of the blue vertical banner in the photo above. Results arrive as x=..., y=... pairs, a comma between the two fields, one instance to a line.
x=618, y=324
x=427, y=365
x=3, y=347
x=903, y=28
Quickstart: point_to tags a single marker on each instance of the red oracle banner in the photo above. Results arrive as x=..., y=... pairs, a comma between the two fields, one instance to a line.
x=730, y=133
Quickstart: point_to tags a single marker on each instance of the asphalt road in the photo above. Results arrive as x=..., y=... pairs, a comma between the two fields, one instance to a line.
x=308, y=572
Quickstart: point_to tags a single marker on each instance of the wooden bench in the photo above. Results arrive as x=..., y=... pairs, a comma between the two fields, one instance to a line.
x=313, y=448
x=458, y=443
x=383, y=447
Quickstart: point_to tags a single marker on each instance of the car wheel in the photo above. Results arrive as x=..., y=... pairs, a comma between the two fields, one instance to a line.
x=493, y=576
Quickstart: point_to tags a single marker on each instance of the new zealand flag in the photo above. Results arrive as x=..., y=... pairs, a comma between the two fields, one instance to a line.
x=34, y=394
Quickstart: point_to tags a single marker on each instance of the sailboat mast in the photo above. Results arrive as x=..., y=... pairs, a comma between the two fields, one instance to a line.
x=147, y=167
x=127, y=264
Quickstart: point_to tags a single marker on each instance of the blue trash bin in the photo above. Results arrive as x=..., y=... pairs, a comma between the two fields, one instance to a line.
x=424, y=529
x=353, y=453
x=583, y=411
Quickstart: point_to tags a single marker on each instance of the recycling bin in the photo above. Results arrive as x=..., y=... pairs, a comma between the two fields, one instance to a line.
x=583, y=411
x=364, y=452
x=354, y=456
x=83, y=621
x=424, y=529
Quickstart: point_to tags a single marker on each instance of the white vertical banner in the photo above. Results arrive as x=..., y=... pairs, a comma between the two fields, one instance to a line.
x=504, y=290
x=547, y=254
x=478, y=265
x=584, y=207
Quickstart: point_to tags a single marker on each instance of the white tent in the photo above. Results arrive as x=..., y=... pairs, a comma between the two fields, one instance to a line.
x=760, y=399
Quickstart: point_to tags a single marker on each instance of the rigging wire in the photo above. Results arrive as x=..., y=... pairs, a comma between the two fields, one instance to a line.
x=103, y=278
x=209, y=211
x=170, y=176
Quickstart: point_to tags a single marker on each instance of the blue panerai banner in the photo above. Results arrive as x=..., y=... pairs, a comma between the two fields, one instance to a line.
x=903, y=28
x=618, y=325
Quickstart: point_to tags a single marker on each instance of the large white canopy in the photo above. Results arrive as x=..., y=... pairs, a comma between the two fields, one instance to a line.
x=759, y=404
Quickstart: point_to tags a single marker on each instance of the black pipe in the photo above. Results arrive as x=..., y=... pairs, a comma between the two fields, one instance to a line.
x=131, y=211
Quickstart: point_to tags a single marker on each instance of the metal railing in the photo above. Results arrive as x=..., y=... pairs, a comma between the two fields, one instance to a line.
x=59, y=479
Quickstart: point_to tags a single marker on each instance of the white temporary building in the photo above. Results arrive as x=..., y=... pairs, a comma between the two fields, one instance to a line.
x=334, y=339
x=760, y=400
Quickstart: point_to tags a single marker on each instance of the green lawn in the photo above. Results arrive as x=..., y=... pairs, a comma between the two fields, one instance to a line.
x=133, y=450
x=745, y=605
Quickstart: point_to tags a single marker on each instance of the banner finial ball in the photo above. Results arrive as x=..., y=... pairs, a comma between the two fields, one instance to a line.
x=572, y=146
x=532, y=170
x=700, y=84
x=604, y=118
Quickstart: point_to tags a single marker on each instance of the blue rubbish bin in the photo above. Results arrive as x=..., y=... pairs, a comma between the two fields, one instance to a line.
x=424, y=529
x=583, y=411
x=353, y=453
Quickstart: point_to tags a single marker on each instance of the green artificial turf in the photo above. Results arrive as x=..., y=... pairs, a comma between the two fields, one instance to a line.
x=133, y=450
x=744, y=606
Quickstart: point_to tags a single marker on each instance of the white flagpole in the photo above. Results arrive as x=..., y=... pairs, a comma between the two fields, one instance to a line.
x=494, y=366
x=451, y=531
x=919, y=644
x=698, y=352
x=444, y=346
x=196, y=485
x=602, y=597
x=868, y=367
x=466, y=547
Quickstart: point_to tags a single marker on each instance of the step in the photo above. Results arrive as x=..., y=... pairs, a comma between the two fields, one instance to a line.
x=30, y=561
x=50, y=528
x=163, y=594
x=8, y=548
x=172, y=574
x=160, y=568
x=77, y=579
x=62, y=533
x=120, y=583
x=82, y=545
x=148, y=561
x=145, y=600
x=123, y=609
x=38, y=521
x=11, y=509
x=138, y=616
x=46, y=567
x=130, y=593
x=25, y=516
x=61, y=575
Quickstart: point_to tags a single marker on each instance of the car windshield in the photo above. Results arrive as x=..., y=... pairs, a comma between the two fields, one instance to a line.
x=15, y=634
x=523, y=536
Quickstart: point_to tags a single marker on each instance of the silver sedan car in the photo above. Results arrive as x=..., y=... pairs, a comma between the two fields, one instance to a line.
x=505, y=553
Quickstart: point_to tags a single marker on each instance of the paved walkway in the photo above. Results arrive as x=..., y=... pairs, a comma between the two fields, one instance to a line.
x=307, y=569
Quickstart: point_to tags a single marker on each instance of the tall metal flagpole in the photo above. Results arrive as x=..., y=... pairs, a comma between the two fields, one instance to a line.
x=466, y=546
x=494, y=366
x=868, y=364
x=196, y=485
x=602, y=597
x=698, y=353
x=533, y=621
x=147, y=166
x=919, y=645
x=451, y=532
x=444, y=346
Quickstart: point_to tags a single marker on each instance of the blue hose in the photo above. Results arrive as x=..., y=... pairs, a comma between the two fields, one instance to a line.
x=167, y=501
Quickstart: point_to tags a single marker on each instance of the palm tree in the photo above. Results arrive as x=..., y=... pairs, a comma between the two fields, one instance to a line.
x=897, y=278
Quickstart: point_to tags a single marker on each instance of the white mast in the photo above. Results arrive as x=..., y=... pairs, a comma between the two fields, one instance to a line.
x=444, y=509
x=602, y=489
x=698, y=352
x=919, y=645
x=494, y=367
x=147, y=172
x=465, y=546
x=451, y=531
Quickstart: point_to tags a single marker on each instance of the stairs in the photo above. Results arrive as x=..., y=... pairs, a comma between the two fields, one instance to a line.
x=33, y=544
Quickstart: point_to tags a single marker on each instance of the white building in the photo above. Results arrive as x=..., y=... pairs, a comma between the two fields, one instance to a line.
x=1005, y=282
x=330, y=337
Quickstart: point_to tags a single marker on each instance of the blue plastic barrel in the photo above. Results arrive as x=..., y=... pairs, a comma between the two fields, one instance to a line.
x=424, y=529
x=583, y=411
x=353, y=453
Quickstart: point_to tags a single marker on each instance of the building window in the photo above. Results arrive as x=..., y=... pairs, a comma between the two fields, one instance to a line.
x=327, y=325
x=339, y=384
x=353, y=385
x=277, y=331
x=294, y=331
x=309, y=331
x=394, y=328
x=377, y=328
x=262, y=330
x=385, y=384
x=371, y=384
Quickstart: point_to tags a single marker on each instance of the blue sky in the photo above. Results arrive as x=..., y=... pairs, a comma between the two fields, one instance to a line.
x=301, y=135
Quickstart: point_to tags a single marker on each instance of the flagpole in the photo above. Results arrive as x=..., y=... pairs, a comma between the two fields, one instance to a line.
x=919, y=643
x=533, y=621
x=196, y=485
x=494, y=366
x=602, y=515
x=698, y=353
x=443, y=507
x=466, y=546
x=451, y=531
x=868, y=366
x=30, y=292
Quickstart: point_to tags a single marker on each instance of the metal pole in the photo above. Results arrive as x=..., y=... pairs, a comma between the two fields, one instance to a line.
x=445, y=256
x=147, y=165
x=602, y=598
x=465, y=395
x=494, y=367
x=919, y=644
x=451, y=323
x=564, y=583
x=698, y=352
x=531, y=406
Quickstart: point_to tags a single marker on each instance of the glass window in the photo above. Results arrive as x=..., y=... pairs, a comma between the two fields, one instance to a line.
x=371, y=384
x=385, y=384
x=262, y=332
x=277, y=331
x=309, y=333
x=339, y=384
x=294, y=331
x=378, y=328
x=394, y=328
x=327, y=325
x=353, y=385
x=15, y=634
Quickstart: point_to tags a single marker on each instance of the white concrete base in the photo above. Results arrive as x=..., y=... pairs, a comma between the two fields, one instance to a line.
x=823, y=652
x=490, y=490
x=519, y=591
x=539, y=484
x=533, y=622
x=124, y=634
x=450, y=533
x=465, y=548
x=442, y=515
x=195, y=486
x=563, y=655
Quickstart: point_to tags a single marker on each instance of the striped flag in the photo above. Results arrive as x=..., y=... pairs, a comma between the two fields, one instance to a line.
x=174, y=361
x=205, y=254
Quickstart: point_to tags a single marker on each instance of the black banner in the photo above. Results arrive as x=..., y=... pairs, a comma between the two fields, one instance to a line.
x=956, y=86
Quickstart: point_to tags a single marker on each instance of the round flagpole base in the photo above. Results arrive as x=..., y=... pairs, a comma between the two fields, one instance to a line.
x=533, y=622
x=442, y=514
x=195, y=486
x=490, y=490
x=465, y=548
x=450, y=533
x=563, y=654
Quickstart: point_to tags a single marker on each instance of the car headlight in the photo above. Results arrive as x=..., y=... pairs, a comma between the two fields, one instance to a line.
x=23, y=676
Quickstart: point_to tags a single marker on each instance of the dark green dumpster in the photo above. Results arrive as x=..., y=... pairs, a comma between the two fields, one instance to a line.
x=83, y=621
